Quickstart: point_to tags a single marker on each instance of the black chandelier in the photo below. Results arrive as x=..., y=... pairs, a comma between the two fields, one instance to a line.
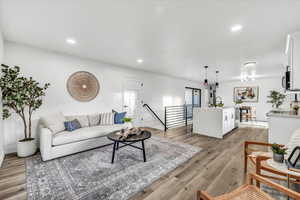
x=217, y=82
x=205, y=80
x=205, y=83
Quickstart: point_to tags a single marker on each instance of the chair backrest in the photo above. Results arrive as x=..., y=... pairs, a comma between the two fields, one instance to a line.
x=293, y=142
x=253, y=111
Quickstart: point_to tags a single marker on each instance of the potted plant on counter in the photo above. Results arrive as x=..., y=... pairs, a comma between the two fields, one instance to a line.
x=296, y=109
x=276, y=99
x=23, y=96
x=278, y=152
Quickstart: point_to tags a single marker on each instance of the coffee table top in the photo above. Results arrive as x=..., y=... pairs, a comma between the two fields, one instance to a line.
x=135, y=138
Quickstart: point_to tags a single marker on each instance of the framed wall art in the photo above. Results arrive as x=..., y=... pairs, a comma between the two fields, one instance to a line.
x=246, y=94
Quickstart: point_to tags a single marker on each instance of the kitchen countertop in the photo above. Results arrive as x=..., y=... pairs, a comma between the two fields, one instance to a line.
x=285, y=114
x=214, y=108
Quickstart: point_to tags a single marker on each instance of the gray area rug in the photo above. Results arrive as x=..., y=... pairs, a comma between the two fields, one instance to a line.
x=275, y=193
x=90, y=175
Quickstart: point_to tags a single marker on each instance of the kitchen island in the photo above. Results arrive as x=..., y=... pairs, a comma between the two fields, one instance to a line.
x=213, y=122
x=281, y=126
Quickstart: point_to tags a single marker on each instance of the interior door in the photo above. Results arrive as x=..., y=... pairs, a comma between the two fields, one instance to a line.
x=196, y=97
x=132, y=102
x=192, y=99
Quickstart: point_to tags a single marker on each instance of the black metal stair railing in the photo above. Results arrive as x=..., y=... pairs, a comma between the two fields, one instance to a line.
x=155, y=115
x=175, y=116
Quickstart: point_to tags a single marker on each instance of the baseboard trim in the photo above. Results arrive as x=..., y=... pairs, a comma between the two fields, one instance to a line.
x=2, y=155
x=10, y=148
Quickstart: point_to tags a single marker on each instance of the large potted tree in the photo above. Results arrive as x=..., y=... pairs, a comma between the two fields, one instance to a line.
x=23, y=96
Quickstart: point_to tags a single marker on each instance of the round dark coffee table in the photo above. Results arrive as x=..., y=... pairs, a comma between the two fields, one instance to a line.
x=113, y=136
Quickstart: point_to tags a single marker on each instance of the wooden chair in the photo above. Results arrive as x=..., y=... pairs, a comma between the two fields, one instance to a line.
x=252, y=154
x=258, y=158
x=253, y=113
x=246, y=113
x=250, y=192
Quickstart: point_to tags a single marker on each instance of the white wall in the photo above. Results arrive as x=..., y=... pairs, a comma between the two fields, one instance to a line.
x=265, y=85
x=1, y=124
x=55, y=68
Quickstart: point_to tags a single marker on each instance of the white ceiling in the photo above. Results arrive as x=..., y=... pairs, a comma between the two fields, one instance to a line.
x=175, y=37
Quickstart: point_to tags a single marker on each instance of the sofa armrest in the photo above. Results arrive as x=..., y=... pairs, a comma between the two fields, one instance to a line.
x=46, y=143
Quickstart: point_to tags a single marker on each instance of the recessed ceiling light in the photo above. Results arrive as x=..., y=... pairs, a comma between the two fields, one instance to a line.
x=71, y=41
x=236, y=28
x=139, y=60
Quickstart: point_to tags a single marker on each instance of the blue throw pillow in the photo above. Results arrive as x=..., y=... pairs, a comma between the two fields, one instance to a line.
x=119, y=117
x=72, y=125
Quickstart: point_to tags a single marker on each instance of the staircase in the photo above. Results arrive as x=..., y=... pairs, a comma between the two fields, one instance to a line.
x=155, y=121
x=174, y=116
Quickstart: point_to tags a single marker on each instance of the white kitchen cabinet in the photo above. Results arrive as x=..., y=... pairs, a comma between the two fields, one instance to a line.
x=213, y=122
x=282, y=126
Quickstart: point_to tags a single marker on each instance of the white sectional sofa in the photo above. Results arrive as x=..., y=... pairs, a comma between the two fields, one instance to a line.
x=57, y=144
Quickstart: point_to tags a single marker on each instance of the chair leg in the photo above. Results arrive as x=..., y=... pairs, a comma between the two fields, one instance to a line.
x=203, y=196
x=199, y=195
x=258, y=169
x=245, y=164
x=245, y=159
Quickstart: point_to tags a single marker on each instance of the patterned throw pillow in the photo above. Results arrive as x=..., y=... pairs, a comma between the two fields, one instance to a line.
x=119, y=117
x=107, y=118
x=72, y=125
x=83, y=119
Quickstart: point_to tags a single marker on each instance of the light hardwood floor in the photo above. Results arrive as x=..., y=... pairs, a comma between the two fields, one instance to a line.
x=218, y=168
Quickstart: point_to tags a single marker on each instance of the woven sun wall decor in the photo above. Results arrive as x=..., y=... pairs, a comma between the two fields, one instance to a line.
x=83, y=86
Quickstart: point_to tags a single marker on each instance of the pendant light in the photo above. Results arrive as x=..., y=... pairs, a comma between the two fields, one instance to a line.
x=217, y=82
x=205, y=80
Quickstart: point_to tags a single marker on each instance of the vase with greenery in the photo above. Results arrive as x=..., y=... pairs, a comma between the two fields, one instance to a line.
x=221, y=104
x=278, y=152
x=128, y=122
x=276, y=99
x=22, y=96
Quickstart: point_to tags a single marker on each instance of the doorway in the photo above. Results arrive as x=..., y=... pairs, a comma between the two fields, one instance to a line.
x=193, y=97
x=132, y=103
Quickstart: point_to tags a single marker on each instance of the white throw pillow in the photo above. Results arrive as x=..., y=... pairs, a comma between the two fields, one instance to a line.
x=83, y=119
x=94, y=119
x=107, y=118
x=54, y=122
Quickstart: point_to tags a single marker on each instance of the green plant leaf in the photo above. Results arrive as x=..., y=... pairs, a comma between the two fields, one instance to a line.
x=19, y=92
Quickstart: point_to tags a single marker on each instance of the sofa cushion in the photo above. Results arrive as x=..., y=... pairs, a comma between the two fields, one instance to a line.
x=83, y=119
x=107, y=118
x=72, y=125
x=54, y=122
x=94, y=119
x=119, y=117
x=86, y=133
